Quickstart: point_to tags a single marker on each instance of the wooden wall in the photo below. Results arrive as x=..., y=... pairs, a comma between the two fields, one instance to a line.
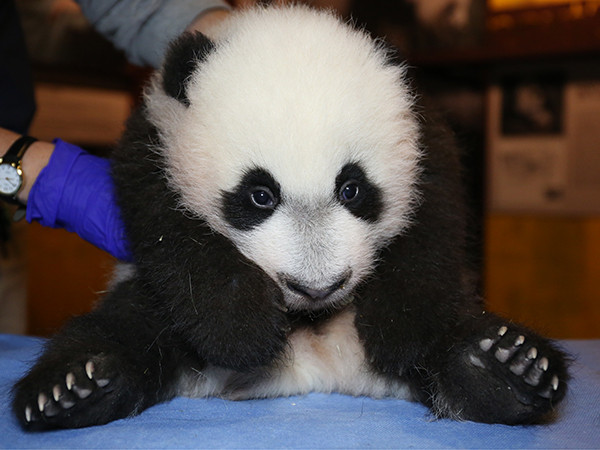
x=65, y=277
x=545, y=271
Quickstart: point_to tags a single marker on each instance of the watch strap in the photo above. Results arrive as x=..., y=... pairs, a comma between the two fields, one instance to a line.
x=17, y=150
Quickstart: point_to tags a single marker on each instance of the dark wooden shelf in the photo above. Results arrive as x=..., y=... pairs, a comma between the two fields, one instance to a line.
x=526, y=35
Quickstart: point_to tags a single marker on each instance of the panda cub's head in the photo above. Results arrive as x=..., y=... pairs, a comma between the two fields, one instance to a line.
x=292, y=135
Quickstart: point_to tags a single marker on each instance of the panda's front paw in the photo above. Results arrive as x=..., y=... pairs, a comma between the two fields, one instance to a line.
x=529, y=364
x=245, y=322
x=250, y=341
x=70, y=394
x=496, y=371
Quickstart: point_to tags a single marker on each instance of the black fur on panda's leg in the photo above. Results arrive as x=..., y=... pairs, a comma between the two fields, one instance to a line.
x=491, y=370
x=420, y=319
x=218, y=301
x=413, y=299
x=111, y=363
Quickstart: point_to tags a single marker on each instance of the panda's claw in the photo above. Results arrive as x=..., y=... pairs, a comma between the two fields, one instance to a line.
x=536, y=372
x=89, y=369
x=70, y=381
x=28, y=414
x=532, y=353
x=519, y=341
x=56, y=393
x=550, y=390
x=41, y=401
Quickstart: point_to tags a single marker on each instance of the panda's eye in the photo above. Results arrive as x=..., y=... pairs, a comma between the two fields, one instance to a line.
x=263, y=198
x=348, y=191
x=357, y=193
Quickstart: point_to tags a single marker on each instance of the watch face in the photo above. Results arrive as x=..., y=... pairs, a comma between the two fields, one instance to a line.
x=10, y=180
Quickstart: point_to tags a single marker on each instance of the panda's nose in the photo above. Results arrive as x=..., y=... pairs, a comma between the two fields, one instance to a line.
x=316, y=294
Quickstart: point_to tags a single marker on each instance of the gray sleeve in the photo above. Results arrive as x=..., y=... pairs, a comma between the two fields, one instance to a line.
x=143, y=28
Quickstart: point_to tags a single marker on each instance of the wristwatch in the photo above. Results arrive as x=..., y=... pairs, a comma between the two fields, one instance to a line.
x=11, y=174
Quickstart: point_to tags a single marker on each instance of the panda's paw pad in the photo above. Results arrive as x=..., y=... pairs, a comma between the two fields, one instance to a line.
x=525, y=362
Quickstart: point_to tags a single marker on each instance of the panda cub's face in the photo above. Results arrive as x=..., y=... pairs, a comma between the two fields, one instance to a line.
x=317, y=246
x=295, y=138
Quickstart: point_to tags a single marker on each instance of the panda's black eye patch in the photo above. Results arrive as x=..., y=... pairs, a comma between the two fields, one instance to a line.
x=252, y=201
x=357, y=193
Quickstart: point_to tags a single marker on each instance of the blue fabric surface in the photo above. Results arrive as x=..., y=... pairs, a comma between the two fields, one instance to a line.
x=312, y=421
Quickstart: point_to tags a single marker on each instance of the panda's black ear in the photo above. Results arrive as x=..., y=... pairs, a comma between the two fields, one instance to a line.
x=183, y=56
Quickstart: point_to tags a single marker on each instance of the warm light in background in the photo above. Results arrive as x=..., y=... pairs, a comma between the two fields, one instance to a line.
x=503, y=5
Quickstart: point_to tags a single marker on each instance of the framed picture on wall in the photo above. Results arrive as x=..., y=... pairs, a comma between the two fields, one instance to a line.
x=543, y=138
x=533, y=104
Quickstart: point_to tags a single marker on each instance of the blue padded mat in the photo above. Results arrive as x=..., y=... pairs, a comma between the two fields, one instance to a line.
x=311, y=421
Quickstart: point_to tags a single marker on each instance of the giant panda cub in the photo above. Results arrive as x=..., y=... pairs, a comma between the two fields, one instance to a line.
x=297, y=225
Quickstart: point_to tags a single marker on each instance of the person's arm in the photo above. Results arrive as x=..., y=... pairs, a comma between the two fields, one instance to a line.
x=66, y=187
x=144, y=29
x=34, y=160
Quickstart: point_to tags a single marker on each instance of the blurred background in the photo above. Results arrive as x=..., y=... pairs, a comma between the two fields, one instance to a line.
x=519, y=81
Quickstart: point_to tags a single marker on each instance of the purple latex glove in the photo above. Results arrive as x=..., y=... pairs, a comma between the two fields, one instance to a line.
x=75, y=191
